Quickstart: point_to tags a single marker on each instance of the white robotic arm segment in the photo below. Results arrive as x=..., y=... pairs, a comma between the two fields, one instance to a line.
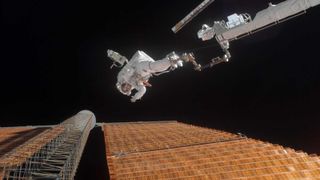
x=239, y=26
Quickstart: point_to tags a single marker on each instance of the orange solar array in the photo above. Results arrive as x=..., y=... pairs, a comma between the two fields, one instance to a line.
x=172, y=150
x=12, y=137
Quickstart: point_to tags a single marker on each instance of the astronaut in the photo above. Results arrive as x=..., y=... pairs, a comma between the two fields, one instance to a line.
x=136, y=72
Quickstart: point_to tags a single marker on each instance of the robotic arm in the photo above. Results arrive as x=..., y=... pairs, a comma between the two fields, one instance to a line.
x=242, y=25
x=218, y=60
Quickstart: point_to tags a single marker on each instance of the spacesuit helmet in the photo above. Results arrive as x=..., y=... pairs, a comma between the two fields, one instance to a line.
x=124, y=88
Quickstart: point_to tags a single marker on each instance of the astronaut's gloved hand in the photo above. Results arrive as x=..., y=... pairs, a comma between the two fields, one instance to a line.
x=133, y=99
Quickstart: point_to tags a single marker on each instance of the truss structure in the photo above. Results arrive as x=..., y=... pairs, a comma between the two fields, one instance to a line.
x=53, y=154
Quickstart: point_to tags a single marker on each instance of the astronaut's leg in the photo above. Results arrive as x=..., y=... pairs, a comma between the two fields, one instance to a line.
x=172, y=60
x=147, y=67
x=160, y=65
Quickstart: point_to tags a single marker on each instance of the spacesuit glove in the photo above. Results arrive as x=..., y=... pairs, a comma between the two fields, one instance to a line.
x=133, y=99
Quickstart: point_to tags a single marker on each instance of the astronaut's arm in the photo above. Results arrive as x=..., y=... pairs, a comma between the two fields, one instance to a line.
x=141, y=91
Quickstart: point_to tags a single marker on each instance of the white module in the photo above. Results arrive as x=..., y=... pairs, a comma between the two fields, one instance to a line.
x=240, y=25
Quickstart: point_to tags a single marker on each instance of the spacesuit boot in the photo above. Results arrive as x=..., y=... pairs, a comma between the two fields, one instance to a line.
x=174, y=60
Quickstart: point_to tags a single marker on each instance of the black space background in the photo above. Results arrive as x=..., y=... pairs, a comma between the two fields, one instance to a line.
x=53, y=64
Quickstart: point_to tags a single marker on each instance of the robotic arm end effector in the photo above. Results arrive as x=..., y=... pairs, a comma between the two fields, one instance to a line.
x=218, y=60
x=189, y=57
x=206, y=33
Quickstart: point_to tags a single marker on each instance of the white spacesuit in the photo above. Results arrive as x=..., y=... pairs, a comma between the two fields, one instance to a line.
x=136, y=73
